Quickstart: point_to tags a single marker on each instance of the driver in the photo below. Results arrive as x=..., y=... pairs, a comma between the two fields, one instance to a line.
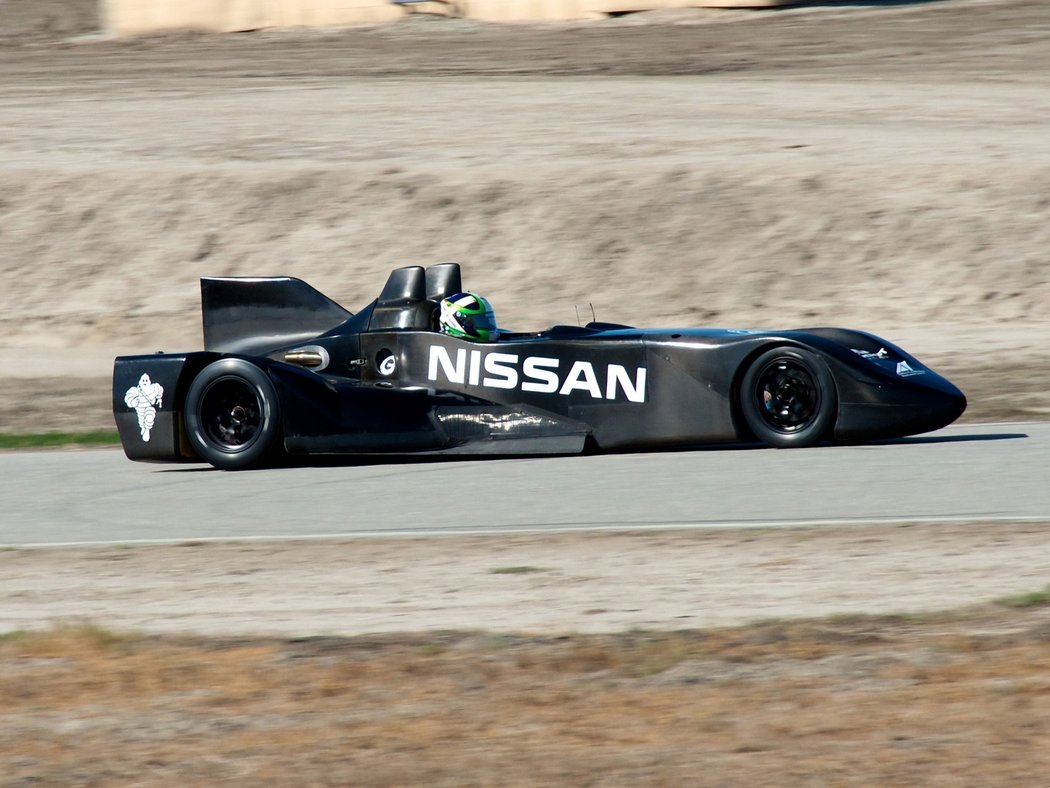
x=468, y=316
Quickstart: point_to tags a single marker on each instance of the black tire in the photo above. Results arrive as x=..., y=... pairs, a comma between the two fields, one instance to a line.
x=788, y=398
x=233, y=417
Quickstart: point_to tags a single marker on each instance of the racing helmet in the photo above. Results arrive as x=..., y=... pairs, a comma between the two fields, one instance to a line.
x=469, y=316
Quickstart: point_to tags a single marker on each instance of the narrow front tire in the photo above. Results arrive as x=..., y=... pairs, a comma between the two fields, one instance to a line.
x=788, y=398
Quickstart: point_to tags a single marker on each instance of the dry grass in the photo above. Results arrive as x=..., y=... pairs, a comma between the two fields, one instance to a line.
x=960, y=700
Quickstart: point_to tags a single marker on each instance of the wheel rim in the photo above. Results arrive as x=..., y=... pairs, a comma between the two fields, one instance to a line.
x=231, y=414
x=788, y=395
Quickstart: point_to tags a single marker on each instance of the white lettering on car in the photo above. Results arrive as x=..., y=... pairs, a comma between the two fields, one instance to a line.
x=542, y=377
x=537, y=374
x=633, y=390
x=503, y=376
x=453, y=373
x=581, y=378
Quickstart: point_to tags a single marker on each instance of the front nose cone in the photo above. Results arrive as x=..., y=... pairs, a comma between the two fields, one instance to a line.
x=954, y=405
x=929, y=407
x=921, y=404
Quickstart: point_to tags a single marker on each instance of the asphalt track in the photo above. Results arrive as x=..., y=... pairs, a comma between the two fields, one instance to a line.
x=978, y=473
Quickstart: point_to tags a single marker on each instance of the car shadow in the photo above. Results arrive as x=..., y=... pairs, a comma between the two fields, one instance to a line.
x=993, y=436
x=351, y=461
x=914, y=439
x=853, y=4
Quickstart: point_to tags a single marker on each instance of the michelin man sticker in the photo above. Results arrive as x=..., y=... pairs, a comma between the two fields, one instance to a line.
x=145, y=399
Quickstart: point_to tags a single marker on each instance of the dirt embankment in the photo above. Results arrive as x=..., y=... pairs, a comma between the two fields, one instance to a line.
x=880, y=167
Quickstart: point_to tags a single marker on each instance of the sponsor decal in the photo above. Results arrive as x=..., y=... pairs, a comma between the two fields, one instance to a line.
x=145, y=399
x=906, y=370
x=387, y=365
x=882, y=354
x=535, y=374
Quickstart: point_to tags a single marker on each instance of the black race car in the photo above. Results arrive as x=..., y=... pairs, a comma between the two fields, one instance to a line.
x=286, y=371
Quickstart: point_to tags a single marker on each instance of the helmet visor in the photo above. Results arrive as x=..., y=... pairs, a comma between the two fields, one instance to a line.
x=480, y=327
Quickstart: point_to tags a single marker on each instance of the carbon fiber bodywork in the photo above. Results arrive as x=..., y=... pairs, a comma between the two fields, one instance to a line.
x=383, y=381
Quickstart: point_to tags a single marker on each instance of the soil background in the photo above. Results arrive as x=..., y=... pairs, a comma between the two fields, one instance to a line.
x=881, y=165
x=876, y=165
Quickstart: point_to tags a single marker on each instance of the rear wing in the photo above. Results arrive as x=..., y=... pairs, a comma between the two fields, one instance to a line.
x=252, y=315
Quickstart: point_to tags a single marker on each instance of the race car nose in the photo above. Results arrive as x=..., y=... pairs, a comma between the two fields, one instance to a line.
x=902, y=410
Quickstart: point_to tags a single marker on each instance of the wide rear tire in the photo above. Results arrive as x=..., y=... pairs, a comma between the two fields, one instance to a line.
x=233, y=416
x=788, y=398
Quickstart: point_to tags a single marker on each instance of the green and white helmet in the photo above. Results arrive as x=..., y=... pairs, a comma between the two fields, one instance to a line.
x=469, y=316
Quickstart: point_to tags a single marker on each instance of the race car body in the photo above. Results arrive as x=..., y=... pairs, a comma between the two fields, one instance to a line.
x=286, y=371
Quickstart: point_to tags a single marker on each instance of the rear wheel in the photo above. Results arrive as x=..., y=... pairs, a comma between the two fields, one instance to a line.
x=787, y=397
x=233, y=415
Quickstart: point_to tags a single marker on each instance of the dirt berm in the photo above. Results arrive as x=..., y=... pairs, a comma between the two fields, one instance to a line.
x=882, y=166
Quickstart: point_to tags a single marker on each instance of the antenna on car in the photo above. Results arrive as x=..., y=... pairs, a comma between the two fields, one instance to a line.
x=577, y=308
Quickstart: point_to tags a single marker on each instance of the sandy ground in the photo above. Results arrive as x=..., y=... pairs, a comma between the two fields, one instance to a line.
x=896, y=701
x=709, y=658
x=552, y=584
x=563, y=660
x=882, y=166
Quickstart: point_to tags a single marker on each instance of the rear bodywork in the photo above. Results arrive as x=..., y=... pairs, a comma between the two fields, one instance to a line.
x=384, y=381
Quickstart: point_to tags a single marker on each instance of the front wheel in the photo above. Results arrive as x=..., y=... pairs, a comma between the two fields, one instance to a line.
x=787, y=398
x=233, y=415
